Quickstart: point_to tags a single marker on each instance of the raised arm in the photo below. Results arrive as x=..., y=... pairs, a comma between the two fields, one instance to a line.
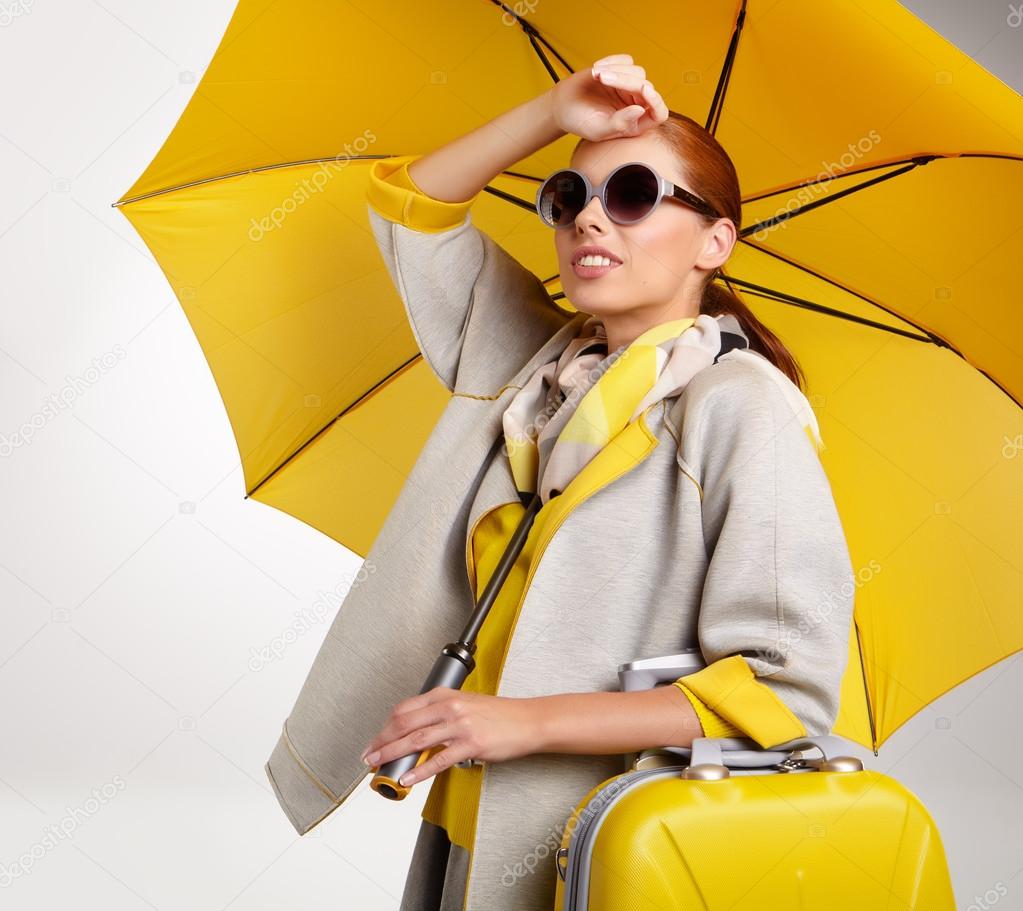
x=458, y=171
x=582, y=103
x=477, y=313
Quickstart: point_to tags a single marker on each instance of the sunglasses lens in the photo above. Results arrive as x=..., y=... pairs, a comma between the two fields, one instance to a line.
x=631, y=193
x=562, y=198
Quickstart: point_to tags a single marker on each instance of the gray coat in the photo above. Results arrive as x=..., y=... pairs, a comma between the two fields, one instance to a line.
x=709, y=520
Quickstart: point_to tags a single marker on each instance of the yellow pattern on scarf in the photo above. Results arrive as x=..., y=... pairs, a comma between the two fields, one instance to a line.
x=608, y=405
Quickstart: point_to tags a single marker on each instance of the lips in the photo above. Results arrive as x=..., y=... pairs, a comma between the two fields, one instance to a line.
x=593, y=271
x=594, y=250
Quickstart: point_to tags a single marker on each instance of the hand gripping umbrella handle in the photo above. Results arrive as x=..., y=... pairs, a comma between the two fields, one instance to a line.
x=456, y=661
x=450, y=669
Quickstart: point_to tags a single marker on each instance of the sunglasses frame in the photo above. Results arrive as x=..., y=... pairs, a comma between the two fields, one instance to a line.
x=665, y=190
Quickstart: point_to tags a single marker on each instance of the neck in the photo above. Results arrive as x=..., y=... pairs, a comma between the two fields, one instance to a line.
x=624, y=328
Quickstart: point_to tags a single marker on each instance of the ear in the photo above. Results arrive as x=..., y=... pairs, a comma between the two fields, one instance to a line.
x=718, y=241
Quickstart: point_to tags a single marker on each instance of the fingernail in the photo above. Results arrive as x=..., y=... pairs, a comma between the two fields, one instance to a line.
x=406, y=779
x=372, y=758
x=608, y=77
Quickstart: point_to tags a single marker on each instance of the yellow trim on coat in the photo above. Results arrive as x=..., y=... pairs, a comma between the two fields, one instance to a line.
x=453, y=800
x=395, y=196
x=456, y=811
x=730, y=688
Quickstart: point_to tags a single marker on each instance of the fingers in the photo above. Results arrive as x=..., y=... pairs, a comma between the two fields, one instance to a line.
x=614, y=58
x=630, y=78
x=434, y=765
x=633, y=79
x=420, y=740
x=643, y=105
x=654, y=101
x=408, y=715
x=626, y=120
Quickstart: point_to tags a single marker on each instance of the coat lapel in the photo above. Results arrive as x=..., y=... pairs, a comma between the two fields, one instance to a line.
x=631, y=446
x=623, y=452
x=626, y=450
x=497, y=487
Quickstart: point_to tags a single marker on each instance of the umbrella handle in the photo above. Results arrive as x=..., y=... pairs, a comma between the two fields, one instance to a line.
x=456, y=661
x=452, y=666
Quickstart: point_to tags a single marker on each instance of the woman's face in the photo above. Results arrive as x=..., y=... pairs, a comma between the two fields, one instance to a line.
x=664, y=258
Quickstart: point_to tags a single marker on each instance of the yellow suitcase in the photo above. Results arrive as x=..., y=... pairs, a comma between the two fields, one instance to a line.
x=729, y=825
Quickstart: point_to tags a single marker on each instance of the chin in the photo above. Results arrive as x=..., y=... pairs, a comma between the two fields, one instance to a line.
x=582, y=297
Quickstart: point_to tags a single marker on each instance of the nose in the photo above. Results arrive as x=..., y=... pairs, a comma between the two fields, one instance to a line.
x=592, y=216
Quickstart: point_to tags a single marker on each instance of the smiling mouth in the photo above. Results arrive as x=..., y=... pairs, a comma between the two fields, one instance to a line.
x=594, y=271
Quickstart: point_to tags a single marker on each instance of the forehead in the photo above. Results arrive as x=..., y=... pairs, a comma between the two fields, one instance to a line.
x=598, y=159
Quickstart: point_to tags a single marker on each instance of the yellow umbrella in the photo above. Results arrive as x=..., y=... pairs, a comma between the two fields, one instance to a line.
x=882, y=176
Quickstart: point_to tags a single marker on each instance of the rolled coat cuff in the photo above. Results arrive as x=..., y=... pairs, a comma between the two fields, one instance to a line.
x=729, y=687
x=713, y=724
x=395, y=196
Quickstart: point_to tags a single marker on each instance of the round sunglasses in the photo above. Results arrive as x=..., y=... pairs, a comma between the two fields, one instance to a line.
x=630, y=193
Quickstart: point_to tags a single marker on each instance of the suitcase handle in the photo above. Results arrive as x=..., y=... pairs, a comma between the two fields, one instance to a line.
x=729, y=752
x=708, y=762
x=708, y=751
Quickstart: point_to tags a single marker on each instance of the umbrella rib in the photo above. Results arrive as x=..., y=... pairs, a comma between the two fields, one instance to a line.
x=254, y=170
x=535, y=36
x=782, y=297
x=932, y=337
x=718, y=103
x=810, y=181
x=817, y=203
x=911, y=164
x=512, y=198
x=837, y=284
x=334, y=420
x=866, y=691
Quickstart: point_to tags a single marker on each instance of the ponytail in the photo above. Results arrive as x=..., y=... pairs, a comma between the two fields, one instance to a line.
x=718, y=299
x=711, y=174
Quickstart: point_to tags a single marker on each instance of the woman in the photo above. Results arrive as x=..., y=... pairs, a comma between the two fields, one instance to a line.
x=642, y=275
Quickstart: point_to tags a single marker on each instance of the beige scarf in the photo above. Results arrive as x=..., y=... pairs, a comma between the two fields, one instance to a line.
x=570, y=408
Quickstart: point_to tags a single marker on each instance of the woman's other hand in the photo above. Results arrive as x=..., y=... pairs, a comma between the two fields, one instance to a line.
x=468, y=725
x=611, y=100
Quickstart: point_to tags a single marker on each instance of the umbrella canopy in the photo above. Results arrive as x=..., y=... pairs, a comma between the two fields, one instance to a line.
x=882, y=173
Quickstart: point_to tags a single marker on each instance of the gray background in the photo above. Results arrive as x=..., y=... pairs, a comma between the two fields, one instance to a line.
x=137, y=583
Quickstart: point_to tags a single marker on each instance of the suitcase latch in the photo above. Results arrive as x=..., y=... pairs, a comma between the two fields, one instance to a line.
x=562, y=853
